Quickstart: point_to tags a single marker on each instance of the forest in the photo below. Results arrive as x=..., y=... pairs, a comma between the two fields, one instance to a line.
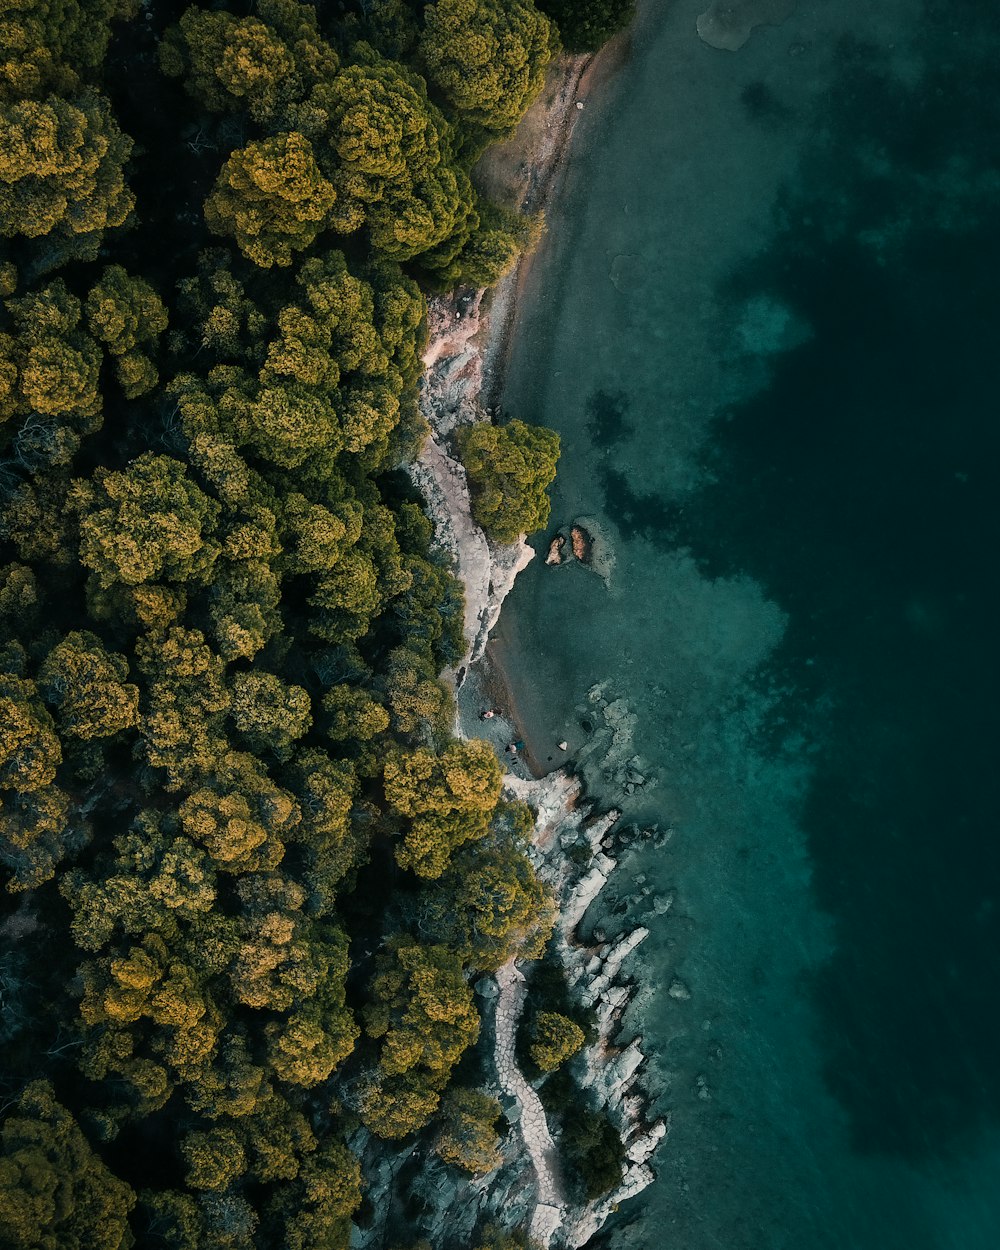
x=249, y=875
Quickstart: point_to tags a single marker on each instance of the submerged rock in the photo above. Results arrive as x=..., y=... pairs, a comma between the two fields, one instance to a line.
x=727, y=24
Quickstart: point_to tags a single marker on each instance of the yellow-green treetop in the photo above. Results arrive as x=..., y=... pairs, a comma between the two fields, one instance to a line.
x=490, y=905
x=33, y=829
x=448, y=799
x=317, y=1210
x=264, y=63
x=61, y=170
x=422, y=1009
x=215, y=1158
x=509, y=468
x=272, y=198
x=48, y=44
x=29, y=748
x=306, y=1046
x=49, y=374
x=148, y=522
x=54, y=1190
x=467, y=1136
x=124, y=311
x=269, y=713
x=487, y=57
x=387, y=150
x=554, y=1039
x=395, y=1106
x=157, y=879
x=88, y=686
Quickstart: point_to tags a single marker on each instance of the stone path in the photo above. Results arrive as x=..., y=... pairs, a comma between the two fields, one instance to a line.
x=538, y=1141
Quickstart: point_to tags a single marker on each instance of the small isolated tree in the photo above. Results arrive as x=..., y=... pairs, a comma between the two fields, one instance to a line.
x=467, y=1137
x=554, y=1038
x=509, y=468
x=272, y=198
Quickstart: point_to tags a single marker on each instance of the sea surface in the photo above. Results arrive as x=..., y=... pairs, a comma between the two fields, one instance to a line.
x=766, y=322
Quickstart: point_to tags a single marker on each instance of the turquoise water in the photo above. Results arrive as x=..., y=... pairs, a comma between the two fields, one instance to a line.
x=765, y=322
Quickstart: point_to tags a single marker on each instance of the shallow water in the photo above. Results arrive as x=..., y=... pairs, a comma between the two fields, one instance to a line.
x=765, y=322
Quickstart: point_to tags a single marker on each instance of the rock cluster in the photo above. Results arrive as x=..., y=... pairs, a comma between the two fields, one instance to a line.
x=565, y=825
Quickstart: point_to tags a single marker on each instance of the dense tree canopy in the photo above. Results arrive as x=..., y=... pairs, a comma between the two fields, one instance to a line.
x=248, y=875
x=585, y=24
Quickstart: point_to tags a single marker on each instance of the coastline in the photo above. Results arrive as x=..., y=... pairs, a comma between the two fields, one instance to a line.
x=466, y=359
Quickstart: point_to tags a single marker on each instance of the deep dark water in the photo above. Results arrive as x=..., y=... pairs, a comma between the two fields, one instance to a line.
x=861, y=487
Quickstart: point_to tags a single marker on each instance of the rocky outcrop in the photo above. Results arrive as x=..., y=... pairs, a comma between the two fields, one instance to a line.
x=450, y=397
x=555, y=549
x=581, y=542
x=563, y=825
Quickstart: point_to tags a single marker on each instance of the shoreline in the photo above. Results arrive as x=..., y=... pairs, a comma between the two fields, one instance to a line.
x=541, y=179
x=576, y=845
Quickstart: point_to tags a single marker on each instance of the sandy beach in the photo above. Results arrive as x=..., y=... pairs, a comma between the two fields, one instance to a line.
x=525, y=174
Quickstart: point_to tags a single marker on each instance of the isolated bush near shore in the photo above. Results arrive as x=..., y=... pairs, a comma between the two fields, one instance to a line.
x=510, y=468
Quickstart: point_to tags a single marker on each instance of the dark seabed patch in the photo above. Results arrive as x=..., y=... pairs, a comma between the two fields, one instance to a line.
x=861, y=488
x=607, y=422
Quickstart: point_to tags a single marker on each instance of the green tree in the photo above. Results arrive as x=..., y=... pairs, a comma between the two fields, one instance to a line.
x=316, y=1211
x=447, y=798
x=124, y=311
x=154, y=880
x=489, y=905
x=146, y=523
x=29, y=748
x=51, y=43
x=88, y=685
x=593, y=1148
x=305, y=1047
x=61, y=171
x=395, y=1106
x=272, y=199
x=270, y=714
x=509, y=468
x=554, y=1039
x=265, y=64
x=487, y=57
x=467, y=1135
x=388, y=153
x=54, y=1190
x=214, y=1158
x=34, y=832
x=422, y=1009
x=353, y=713
x=49, y=375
